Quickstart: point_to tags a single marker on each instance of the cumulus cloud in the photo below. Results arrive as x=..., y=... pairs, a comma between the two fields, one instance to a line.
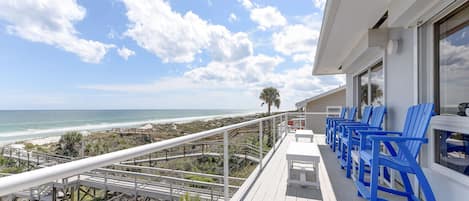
x=267, y=17
x=319, y=4
x=232, y=18
x=51, y=22
x=178, y=38
x=295, y=39
x=125, y=52
x=298, y=41
x=246, y=71
x=247, y=4
x=249, y=75
x=454, y=71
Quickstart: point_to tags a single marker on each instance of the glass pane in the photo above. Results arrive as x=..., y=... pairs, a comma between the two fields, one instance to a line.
x=454, y=64
x=363, y=96
x=377, y=85
x=452, y=150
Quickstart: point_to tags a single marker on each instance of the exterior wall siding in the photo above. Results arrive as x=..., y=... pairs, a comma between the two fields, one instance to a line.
x=316, y=123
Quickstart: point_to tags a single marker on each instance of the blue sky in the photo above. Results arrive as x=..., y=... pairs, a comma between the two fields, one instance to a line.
x=116, y=54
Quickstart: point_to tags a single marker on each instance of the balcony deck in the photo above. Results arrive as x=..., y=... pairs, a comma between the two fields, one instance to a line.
x=272, y=182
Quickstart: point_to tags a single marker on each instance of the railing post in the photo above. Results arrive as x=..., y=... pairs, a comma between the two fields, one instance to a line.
x=135, y=188
x=171, y=191
x=260, y=145
x=274, y=137
x=28, y=160
x=226, y=168
x=105, y=185
x=286, y=123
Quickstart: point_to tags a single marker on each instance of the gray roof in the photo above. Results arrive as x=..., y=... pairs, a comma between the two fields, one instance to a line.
x=306, y=101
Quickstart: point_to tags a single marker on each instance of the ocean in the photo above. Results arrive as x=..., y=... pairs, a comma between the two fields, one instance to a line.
x=18, y=125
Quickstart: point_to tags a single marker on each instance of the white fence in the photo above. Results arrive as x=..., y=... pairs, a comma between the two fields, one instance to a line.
x=279, y=127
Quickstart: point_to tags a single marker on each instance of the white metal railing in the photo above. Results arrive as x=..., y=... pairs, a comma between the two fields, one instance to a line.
x=34, y=178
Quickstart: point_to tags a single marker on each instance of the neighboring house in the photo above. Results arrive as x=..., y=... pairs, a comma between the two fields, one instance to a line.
x=400, y=53
x=330, y=101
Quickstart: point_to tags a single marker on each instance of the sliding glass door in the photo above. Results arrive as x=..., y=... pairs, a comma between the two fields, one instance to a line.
x=370, y=87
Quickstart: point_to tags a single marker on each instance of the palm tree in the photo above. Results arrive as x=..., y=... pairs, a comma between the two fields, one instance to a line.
x=270, y=96
x=70, y=144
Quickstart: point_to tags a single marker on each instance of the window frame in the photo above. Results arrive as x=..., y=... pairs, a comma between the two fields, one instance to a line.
x=358, y=77
x=436, y=53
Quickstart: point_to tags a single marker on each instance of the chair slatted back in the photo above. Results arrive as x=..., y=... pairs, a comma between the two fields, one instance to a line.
x=416, y=125
x=377, y=116
x=342, y=112
x=351, y=113
x=366, y=115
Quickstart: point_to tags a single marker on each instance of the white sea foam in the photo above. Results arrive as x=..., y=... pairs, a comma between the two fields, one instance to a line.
x=29, y=134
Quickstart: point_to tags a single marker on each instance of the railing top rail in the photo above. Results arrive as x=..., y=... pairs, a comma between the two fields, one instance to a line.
x=26, y=180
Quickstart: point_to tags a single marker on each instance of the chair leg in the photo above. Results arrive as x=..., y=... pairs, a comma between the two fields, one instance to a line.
x=333, y=139
x=374, y=180
x=339, y=146
x=407, y=184
x=426, y=188
x=349, y=159
x=341, y=155
x=361, y=173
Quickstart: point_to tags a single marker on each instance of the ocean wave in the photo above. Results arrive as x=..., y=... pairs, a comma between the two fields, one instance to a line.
x=39, y=133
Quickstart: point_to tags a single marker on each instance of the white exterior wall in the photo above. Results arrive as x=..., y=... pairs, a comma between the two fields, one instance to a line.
x=399, y=79
x=349, y=91
x=402, y=89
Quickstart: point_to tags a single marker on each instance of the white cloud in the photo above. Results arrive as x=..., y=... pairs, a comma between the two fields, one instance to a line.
x=230, y=47
x=51, y=22
x=267, y=17
x=295, y=39
x=125, y=52
x=232, y=18
x=178, y=38
x=248, y=75
x=246, y=71
x=319, y=4
x=298, y=41
x=246, y=4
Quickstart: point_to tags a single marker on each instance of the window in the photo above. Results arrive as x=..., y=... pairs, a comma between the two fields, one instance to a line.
x=371, y=87
x=452, y=63
x=377, y=85
x=452, y=150
x=363, y=91
x=333, y=111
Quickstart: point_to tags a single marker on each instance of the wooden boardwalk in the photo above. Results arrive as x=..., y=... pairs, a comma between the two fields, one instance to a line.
x=271, y=185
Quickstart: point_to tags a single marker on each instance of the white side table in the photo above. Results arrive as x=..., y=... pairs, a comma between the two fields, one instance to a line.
x=303, y=158
x=305, y=134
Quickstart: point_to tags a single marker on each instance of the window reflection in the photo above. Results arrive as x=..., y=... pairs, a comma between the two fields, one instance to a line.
x=363, y=90
x=452, y=150
x=454, y=63
x=377, y=85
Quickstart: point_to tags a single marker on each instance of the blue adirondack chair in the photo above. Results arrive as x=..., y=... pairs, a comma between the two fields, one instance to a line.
x=350, y=139
x=330, y=119
x=334, y=127
x=364, y=121
x=403, y=159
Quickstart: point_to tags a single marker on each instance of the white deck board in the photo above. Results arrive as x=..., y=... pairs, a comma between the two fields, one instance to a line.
x=271, y=185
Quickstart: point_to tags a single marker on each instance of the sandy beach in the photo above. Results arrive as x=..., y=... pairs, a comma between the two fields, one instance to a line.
x=141, y=125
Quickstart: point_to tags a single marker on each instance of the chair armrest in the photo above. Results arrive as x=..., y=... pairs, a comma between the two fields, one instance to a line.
x=377, y=132
x=351, y=124
x=364, y=128
x=395, y=138
x=364, y=133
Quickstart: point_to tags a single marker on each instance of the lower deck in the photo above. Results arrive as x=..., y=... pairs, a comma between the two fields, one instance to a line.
x=272, y=182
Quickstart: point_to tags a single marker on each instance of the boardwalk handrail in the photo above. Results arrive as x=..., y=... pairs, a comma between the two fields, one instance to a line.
x=30, y=179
